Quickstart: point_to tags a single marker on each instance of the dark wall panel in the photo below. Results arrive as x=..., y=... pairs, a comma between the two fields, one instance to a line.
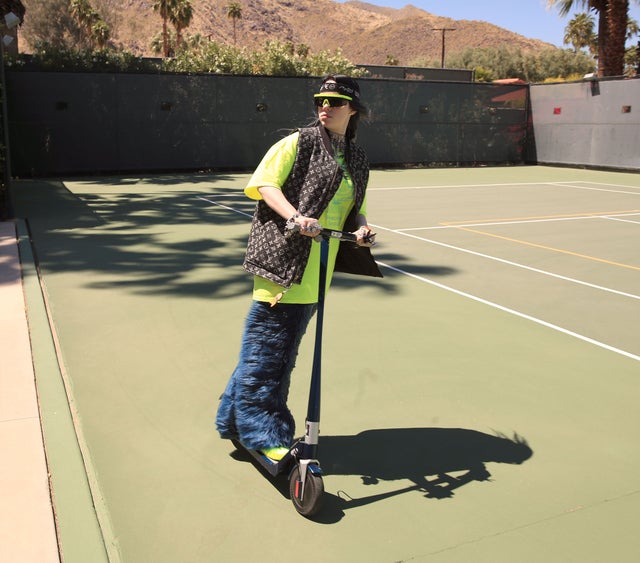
x=62, y=123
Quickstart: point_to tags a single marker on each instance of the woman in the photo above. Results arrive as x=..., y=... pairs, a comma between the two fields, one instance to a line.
x=316, y=176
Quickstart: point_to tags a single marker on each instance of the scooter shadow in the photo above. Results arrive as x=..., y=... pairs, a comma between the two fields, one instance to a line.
x=426, y=457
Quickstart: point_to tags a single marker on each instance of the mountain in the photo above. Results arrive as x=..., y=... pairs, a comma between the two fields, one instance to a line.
x=367, y=34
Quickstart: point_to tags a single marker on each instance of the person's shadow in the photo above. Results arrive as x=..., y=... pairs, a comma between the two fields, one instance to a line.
x=427, y=457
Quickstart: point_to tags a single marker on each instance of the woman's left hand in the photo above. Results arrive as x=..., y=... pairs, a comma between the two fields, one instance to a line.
x=365, y=236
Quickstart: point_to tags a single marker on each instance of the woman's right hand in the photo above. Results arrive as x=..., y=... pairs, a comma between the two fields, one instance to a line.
x=309, y=226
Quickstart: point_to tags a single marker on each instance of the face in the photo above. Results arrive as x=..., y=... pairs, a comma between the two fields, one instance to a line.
x=335, y=119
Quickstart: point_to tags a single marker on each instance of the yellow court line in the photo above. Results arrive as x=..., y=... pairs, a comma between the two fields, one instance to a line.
x=539, y=217
x=551, y=248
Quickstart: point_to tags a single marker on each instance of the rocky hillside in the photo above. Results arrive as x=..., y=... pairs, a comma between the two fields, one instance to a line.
x=367, y=34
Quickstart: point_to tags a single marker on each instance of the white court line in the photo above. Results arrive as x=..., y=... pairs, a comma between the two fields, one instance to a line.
x=615, y=218
x=514, y=312
x=577, y=218
x=465, y=250
x=614, y=185
x=441, y=187
x=510, y=263
x=566, y=185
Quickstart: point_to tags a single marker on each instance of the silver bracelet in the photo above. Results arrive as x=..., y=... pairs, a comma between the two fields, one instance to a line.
x=291, y=222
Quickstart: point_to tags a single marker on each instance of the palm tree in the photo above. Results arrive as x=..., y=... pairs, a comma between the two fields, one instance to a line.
x=164, y=8
x=95, y=31
x=579, y=33
x=157, y=43
x=564, y=7
x=82, y=12
x=618, y=17
x=100, y=33
x=234, y=11
x=181, y=18
x=612, y=17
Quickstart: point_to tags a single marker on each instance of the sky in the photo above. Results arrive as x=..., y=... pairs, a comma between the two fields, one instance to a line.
x=530, y=18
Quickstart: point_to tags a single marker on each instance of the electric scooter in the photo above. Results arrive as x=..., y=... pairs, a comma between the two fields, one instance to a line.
x=306, y=487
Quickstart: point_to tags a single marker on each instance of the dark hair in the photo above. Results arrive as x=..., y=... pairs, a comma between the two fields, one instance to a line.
x=361, y=110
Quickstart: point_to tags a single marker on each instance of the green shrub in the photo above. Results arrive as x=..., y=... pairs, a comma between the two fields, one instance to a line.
x=274, y=59
x=63, y=59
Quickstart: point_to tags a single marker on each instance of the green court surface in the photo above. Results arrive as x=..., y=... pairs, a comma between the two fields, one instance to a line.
x=480, y=403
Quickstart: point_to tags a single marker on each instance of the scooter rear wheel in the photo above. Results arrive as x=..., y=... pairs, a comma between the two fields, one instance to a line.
x=311, y=500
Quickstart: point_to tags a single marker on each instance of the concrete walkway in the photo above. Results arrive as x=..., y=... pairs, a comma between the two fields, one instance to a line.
x=27, y=526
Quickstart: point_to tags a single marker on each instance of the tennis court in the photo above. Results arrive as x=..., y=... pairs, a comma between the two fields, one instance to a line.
x=479, y=402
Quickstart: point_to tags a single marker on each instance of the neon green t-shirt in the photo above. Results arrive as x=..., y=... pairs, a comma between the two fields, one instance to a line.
x=273, y=171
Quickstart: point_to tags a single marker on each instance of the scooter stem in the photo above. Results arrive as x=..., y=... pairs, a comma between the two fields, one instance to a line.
x=313, y=408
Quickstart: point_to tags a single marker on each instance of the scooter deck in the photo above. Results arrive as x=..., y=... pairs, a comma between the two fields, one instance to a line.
x=272, y=467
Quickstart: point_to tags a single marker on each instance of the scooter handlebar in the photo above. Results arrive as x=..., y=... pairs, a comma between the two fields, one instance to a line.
x=331, y=233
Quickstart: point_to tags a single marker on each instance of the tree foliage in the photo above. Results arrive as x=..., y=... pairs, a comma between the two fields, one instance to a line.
x=84, y=24
x=196, y=56
x=96, y=32
x=54, y=26
x=164, y=8
x=613, y=16
x=55, y=58
x=579, y=33
x=177, y=12
x=275, y=59
x=504, y=62
x=181, y=17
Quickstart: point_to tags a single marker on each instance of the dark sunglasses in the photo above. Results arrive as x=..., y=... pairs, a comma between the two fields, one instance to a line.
x=333, y=102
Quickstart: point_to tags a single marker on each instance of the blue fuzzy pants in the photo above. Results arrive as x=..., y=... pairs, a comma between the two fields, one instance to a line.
x=253, y=407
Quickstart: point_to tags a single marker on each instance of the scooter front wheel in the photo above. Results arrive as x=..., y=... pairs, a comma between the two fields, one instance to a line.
x=306, y=502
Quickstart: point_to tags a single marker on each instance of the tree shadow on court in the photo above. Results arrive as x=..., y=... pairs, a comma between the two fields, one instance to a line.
x=151, y=241
x=141, y=179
